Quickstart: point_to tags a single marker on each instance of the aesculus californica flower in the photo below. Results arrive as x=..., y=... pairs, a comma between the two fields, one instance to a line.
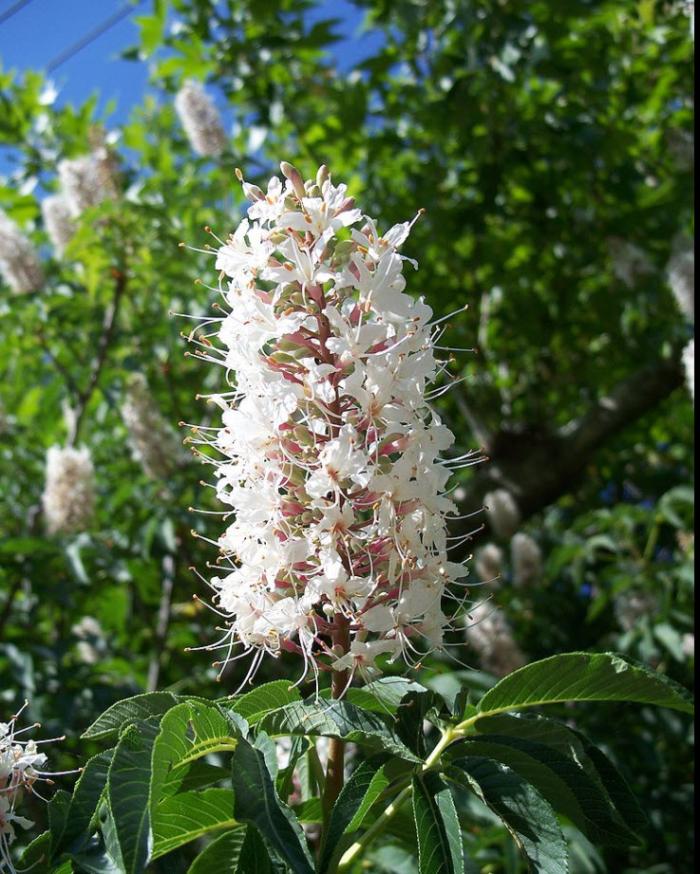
x=20, y=266
x=153, y=443
x=201, y=120
x=69, y=489
x=21, y=769
x=526, y=557
x=489, y=634
x=58, y=221
x=330, y=449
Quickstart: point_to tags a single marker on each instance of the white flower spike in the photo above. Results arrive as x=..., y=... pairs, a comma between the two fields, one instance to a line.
x=19, y=262
x=152, y=441
x=200, y=119
x=69, y=491
x=329, y=448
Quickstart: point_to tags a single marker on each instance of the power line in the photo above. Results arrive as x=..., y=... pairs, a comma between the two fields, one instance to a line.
x=8, y=13
x=91, y=36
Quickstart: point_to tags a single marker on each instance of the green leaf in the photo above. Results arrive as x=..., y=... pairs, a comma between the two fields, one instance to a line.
x=525, y=813
x=336, y=719
x=617, y=788
x=128, y=791
x=356, y=798
x=254, y=705
x=187, y=732
x=190, y=815
x=383, y=695
x=437, y=827
x=581, y=676
x=573, y=744
x=129, y=711
x=222, y=855
x=37, y=855
x=254, y=856
x=561, y=780
x=87, y=793
x=256, y=802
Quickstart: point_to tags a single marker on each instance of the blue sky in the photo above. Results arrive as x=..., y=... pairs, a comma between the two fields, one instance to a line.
x=43, y=29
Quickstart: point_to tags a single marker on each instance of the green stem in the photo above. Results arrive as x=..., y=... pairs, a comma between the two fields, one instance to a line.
x=350, y=856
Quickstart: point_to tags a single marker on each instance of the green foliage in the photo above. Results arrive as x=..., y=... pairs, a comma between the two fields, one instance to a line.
x=531, y=768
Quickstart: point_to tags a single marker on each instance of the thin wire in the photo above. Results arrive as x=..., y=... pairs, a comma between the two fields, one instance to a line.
x=91, y=36
x=8, y=13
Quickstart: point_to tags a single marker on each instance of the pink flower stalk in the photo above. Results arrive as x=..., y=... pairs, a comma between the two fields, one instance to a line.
x=329, y=446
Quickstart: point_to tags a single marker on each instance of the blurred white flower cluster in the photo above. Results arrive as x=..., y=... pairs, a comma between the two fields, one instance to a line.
x=58, y=221
x=19, y=261
x=689, y=365
x=200, y=119
x=503, y=513
x=152, y=440
x=330, y=449
x=69, y=491
x=21, y=767
x=489, y=634
x=87, y=181
x=681, y=277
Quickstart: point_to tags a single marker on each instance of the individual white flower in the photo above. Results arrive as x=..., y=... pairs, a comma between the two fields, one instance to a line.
x=329, y=453
x=689, y=367
x=153, y=442
x=489, y=563
x=489, y=634
x=200, y=119
x=19, y=262
x=526, y=558
x=87, y=181
x=58, y=221
x=69, y=490
x=503, y=513
x=629, y=262
x=22, y=766
x=681, y=277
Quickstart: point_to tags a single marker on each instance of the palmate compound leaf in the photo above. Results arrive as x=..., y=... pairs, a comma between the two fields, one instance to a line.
x=358, y=795
x=580, y=676
x=525, y=813
x=257, y=803
x=438, y=830
x=560, y=780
